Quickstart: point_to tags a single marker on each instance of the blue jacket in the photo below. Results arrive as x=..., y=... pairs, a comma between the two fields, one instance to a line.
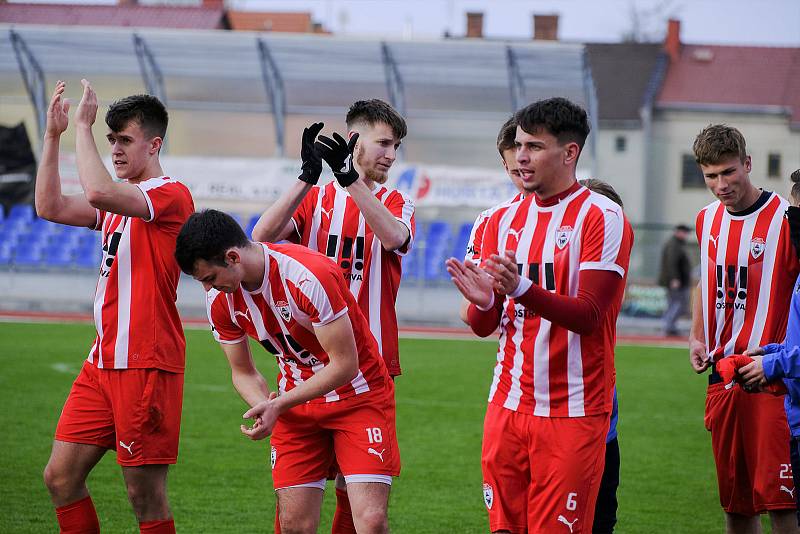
x=782, y=360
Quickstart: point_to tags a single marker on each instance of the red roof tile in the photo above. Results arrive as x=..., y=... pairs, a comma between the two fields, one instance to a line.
x=102, y=15
x=737, y=76
x=265, y=21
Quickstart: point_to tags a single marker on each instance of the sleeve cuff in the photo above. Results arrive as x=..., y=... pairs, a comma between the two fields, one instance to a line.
x=489, y=307
x=523, y=286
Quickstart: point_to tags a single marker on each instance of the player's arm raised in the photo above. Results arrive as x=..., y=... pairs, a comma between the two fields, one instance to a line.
x=101, y=191
x=51, y=204
x=338, y=153
x=275, y=223
x=336, y=339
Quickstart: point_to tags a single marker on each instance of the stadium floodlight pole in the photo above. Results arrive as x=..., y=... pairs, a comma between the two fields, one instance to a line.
x=33, y=76
x=273, y=83
x=591, y=108
x=516, y=84
x=394, y=84
x=151, y=74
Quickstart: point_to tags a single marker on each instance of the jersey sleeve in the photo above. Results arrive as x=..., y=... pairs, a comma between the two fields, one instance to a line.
x=473, y=253
x=603, y=246
x=319, y=292
x=490, y=243
x=100, y=216
x=403, y=209
x=168, y=200
x=302, y=216
x=224, y=329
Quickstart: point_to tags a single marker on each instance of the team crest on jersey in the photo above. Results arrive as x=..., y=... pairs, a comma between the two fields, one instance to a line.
x=488, y=495
x=757, y=247
x=273, y=455
x=283, y=307
x=562, y=236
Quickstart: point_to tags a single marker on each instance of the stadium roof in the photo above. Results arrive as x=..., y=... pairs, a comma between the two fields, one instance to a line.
x=114, y=15
x=734, y=78
x=441, y=83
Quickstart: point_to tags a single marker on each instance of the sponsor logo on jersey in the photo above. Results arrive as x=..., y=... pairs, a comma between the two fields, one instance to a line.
x=488, y=495
x=273, y=455
x=562, y=236
x=757, y=247
x=283, y=307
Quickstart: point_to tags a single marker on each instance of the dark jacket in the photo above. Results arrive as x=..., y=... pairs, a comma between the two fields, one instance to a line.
x=674, y=263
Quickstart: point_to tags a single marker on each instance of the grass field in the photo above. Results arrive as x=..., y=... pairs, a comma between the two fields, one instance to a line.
x=222, y=482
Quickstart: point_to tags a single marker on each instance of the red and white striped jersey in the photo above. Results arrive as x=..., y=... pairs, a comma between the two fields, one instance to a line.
x=301, y=290
x=748, y=267
x=329, y=221
x=542, y=368
x=135, y=313
x=479, y=227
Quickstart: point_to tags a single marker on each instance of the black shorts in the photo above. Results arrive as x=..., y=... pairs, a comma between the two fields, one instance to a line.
x=605, y=511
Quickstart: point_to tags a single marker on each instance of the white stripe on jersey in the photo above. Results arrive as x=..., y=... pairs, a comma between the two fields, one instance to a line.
x=722, y=240
x=524, y=244
x=375, y=293
x=316, y=222
x=744, y=252
x=356, y=281
x=124, y=289
x=405, y=219
x=770, y=259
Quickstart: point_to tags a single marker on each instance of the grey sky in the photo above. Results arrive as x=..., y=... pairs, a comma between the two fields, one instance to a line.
x=758, y=22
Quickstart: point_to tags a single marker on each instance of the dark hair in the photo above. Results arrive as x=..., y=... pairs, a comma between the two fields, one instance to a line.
x=376, y=111
x=795, y=177
x=717, y=143
x=603, y=188
x=565, y=120
x=146, y=110
x=506, y=136
x=207, y=235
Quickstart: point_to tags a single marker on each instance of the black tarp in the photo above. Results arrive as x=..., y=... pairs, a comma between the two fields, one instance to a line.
x=17, y=166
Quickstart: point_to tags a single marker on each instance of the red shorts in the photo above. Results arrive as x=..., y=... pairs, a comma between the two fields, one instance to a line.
x=749, y=436
x=359, y=432
x=542, y=474
x=135, y=411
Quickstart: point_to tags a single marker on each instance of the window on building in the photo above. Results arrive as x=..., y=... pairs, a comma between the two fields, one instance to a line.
x=621, y=143
x=774, y=166
x=691, y=175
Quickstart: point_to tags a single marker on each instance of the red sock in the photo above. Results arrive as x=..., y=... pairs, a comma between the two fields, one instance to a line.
x=277, y=520
x=78, y=517
x=161, y=526
x=343, y=516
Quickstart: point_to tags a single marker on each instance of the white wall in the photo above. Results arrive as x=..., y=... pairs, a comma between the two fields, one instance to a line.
x=673, y=135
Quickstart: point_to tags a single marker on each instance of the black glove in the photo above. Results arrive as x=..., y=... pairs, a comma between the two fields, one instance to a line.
x=338, y=154
x=312, y=162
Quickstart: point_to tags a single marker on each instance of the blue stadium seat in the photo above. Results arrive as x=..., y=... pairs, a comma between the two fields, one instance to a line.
x=58, y=256
x=462, y=240
x=24, y=212
x=238, y=218
x=438, y=246
x=88, y=259
x=28, y=256
x=411, y=263
x=6, y=254
x=251, y=224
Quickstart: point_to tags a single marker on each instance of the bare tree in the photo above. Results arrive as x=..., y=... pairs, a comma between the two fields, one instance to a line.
x=648, y=23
